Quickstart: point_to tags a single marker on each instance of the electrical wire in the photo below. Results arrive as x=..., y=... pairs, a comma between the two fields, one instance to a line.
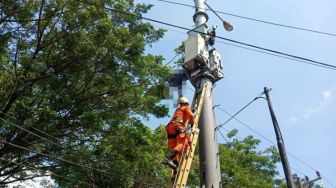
x=284, y=57
x=50, y=140
x=220, y=132
x=51, y=156
x=309, y=61
x=171, y=60
x=267, y=139
x=231, y=40
x=248, y=104
x=256, y=20
x=60, y=176
x=259, y=51
x=54, y=143
x=223, y=38
x=273, y=51
x=239, y=138
x=73, y=163
x=38, y=130
x=329, y=66
x=244, y=124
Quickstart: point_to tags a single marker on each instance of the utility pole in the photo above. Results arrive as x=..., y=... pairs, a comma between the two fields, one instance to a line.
x=280, y=141
x=204, y=67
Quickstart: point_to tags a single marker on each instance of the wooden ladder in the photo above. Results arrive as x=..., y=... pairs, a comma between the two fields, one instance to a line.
x=180, y=180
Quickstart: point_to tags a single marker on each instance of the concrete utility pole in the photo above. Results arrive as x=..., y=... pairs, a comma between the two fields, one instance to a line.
x=204, y=66
x=280, y=141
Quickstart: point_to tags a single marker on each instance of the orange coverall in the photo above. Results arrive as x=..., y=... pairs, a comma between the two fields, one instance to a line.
x=175, y=128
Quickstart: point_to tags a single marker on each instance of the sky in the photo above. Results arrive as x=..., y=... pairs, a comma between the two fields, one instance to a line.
x=303, y=95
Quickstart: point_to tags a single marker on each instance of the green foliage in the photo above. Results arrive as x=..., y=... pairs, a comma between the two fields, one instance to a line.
x=242, y=165
x=78, y=71
x=131, y=159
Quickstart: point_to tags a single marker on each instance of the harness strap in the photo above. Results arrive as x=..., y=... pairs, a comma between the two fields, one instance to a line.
x=170, y=136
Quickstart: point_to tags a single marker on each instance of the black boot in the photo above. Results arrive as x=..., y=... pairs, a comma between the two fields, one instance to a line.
x=170, y=163
x=168, y=160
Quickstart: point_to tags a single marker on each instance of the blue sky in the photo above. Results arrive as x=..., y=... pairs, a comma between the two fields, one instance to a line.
x=303, y=96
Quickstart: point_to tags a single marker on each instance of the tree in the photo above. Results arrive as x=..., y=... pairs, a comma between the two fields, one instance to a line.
x=76, y=71
x=242, y=165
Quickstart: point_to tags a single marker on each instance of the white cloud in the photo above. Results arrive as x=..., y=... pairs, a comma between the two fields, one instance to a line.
x=293, y=120
x=327, y=100
x=327, y=94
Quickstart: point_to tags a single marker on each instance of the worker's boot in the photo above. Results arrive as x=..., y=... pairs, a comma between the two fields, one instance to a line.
x=168, y=160
x=170, y=163
x=177, y=166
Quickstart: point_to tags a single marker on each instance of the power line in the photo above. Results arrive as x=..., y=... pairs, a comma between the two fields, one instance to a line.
x=220, y=132
x=262, y=136
x=74, y=180
x=267, y=139
x=310, y=167
x=54, y=143
x=65, y=148
x=50, y=140
x=221, y=125
x=273, y=51
x=239, y=138
x=37, y=19
x=309, y=61
x=231, y=40
x=171, y=60
x=73, y=163
x=259, y=51
x=51, y=156
x=256, y=20
x=244, y=124
x=284, y=57
x=321, y=64
x=329, y=66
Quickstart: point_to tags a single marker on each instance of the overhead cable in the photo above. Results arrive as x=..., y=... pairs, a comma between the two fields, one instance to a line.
x=248, y=104
x=227, y=39
x=73, y=163
x=271, y=142
x=244, y=124
x=26, y=130
x=57, y=175
x=272, y=54
x=51, y=156
x=256, y=20
x=324, y=65
x=254, y=50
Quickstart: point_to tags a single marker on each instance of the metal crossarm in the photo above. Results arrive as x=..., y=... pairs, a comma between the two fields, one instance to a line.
x=180, y=180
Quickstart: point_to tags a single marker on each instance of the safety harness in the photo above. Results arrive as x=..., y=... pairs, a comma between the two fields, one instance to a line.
x=176, y=130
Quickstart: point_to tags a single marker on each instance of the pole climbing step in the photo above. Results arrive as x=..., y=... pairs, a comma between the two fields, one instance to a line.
x=180, y=180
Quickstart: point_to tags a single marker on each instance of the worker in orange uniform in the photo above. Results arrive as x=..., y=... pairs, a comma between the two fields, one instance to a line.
x=177, y=137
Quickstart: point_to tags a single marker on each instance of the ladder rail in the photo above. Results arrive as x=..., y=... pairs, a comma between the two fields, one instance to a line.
x=172, y=182
x=181, y=177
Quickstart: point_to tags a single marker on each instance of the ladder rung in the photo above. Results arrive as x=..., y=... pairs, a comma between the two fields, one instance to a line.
x=185, y=163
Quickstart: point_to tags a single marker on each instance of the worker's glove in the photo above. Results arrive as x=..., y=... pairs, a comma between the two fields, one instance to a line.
x=189, y=131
